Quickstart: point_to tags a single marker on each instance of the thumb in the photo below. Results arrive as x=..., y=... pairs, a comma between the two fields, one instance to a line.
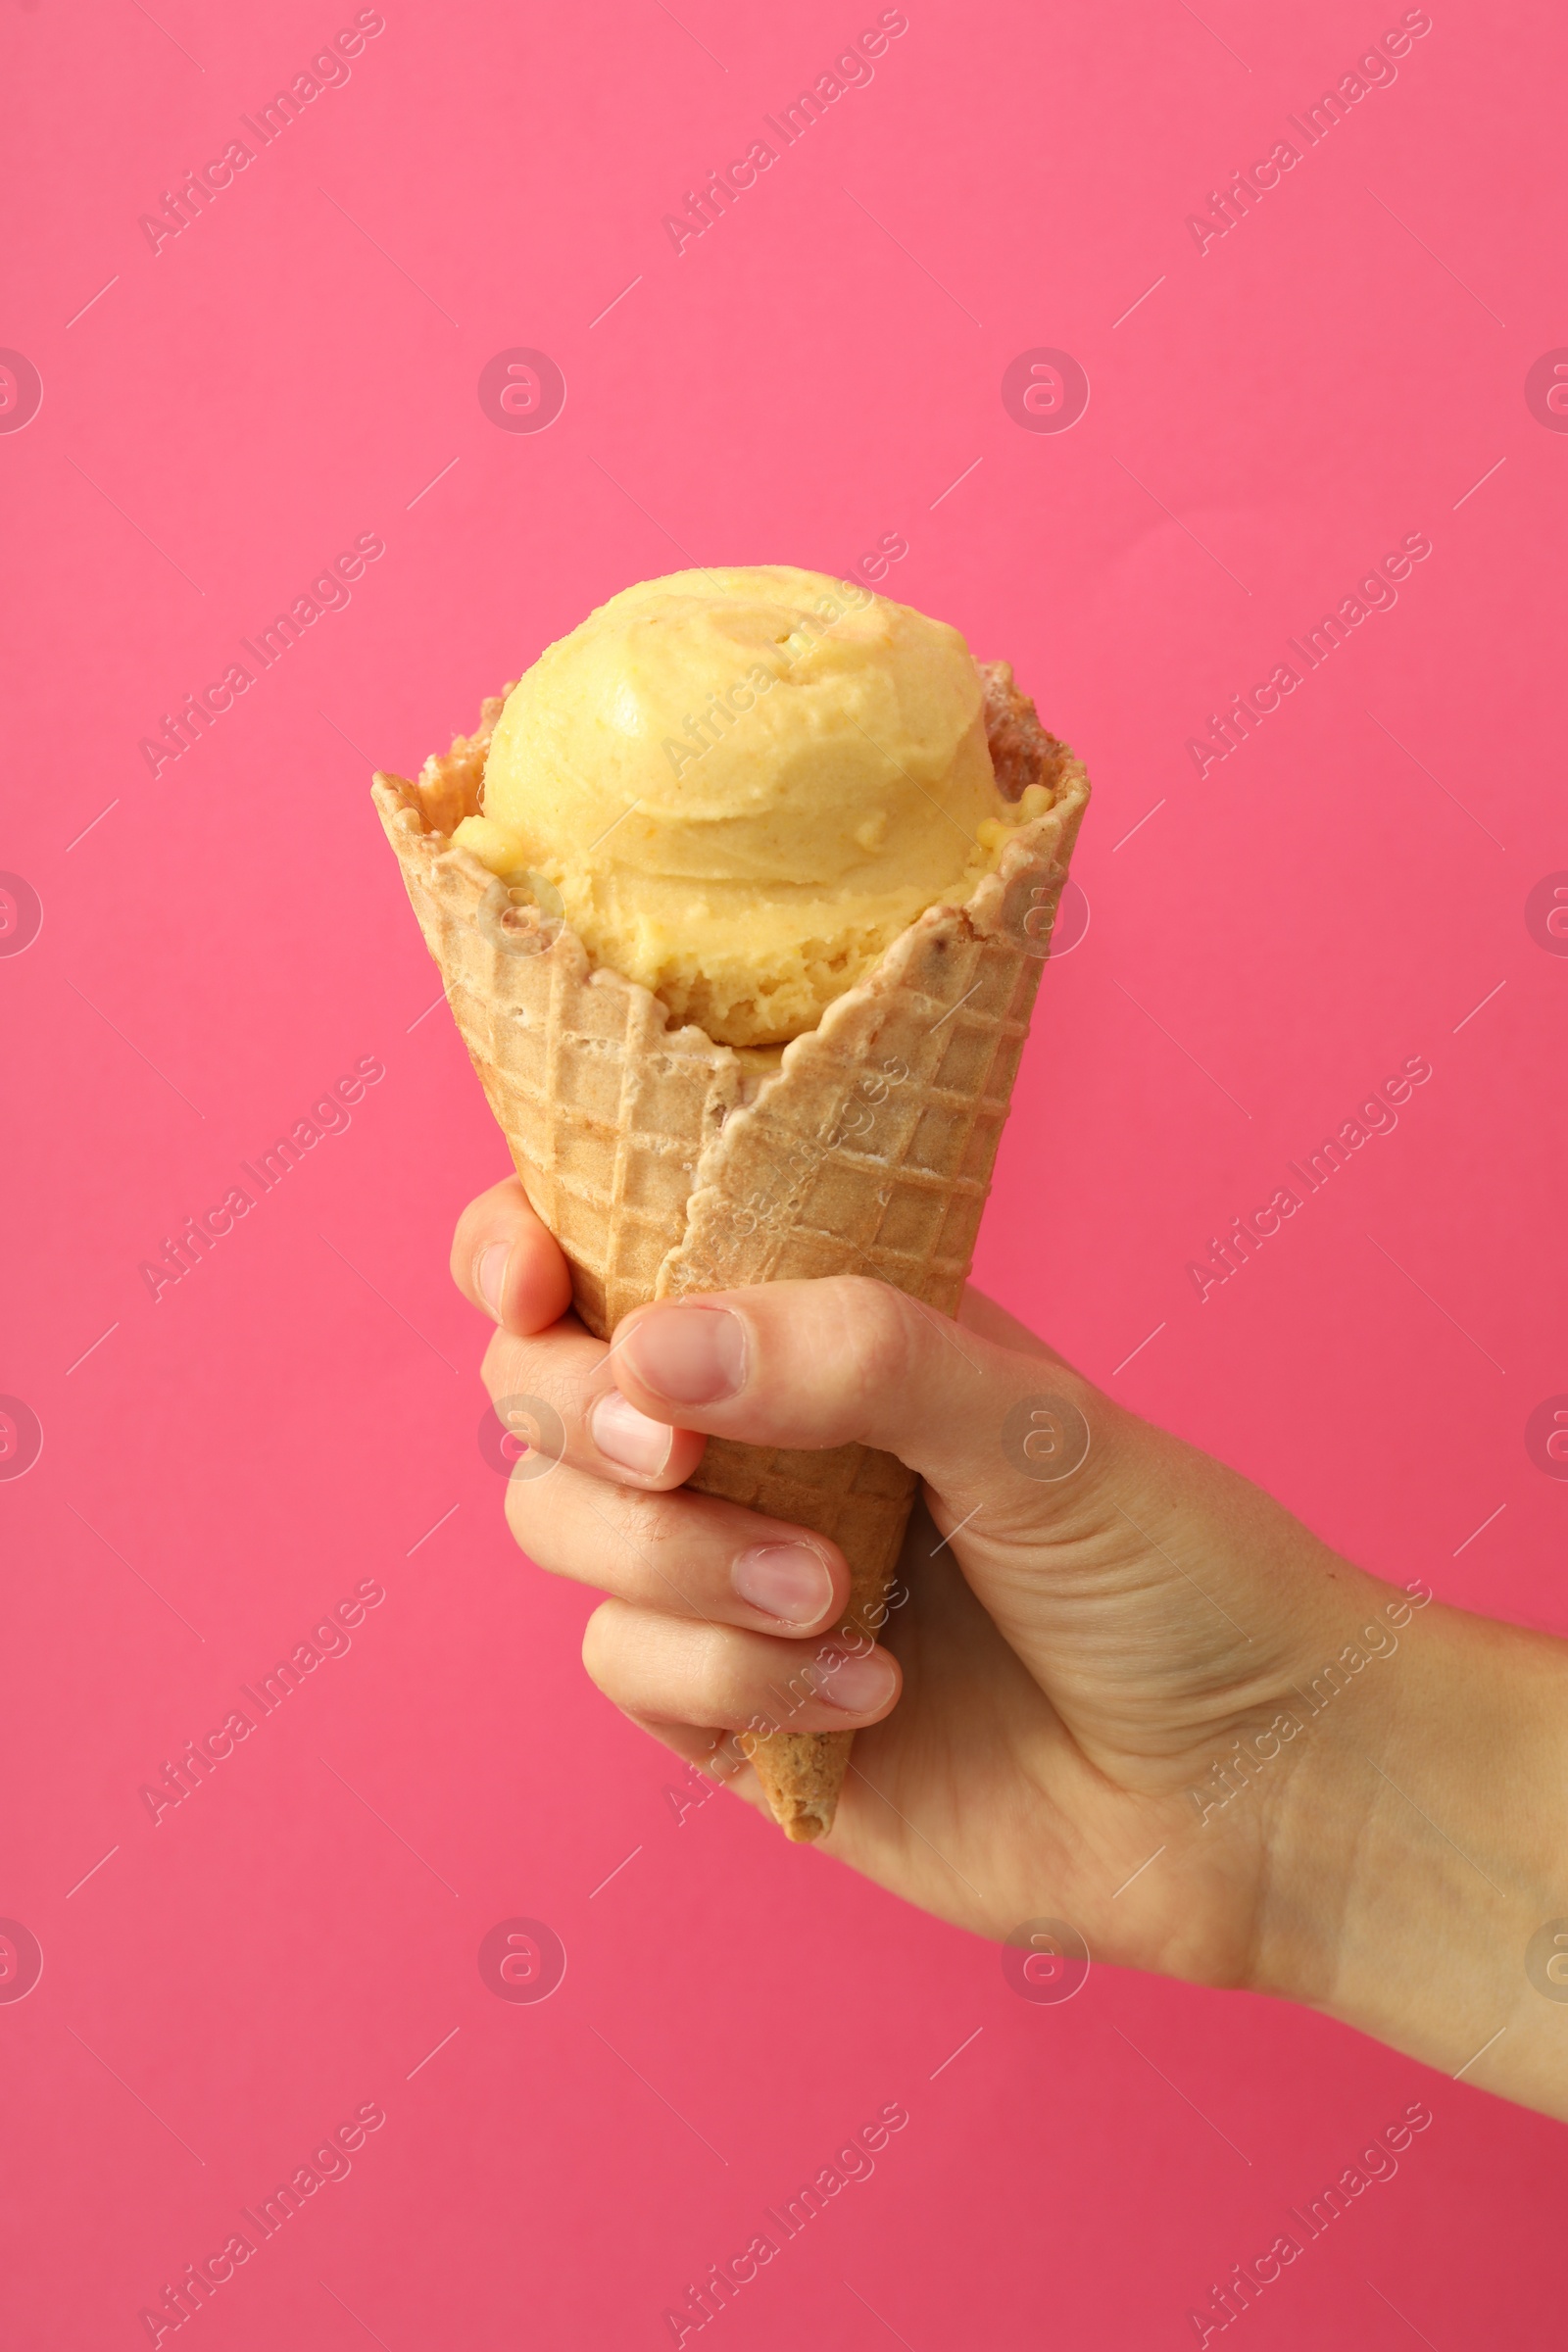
x=814, y=1365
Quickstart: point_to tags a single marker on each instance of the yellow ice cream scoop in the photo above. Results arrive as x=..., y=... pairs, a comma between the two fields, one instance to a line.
x=744, y=784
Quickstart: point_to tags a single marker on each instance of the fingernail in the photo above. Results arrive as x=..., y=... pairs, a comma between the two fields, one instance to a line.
x=857, y=1685
x=691, y=1355
x=491, y=1274
x=790, y=1581
x=625, y=1436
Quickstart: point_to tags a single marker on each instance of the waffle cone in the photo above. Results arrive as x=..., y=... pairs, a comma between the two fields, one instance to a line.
x=665, y=1163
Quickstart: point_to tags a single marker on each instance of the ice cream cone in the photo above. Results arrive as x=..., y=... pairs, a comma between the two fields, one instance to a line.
x=665, y=1163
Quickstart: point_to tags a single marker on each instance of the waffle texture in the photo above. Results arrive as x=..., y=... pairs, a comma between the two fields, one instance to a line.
x=665, y=1163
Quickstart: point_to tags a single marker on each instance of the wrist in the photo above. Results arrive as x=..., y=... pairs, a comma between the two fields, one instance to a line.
x=1416, y=1848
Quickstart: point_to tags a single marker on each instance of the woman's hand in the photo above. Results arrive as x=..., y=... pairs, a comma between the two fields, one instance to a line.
x=1119, y=1687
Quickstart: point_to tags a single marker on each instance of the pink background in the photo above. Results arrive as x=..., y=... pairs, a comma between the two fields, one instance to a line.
x=219, y=945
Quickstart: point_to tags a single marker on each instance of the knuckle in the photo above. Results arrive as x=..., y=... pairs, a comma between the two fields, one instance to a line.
x=709, y=1677
x=651, y=1551
x=642, y=1515
x=877, y=1328
x=531, y=1368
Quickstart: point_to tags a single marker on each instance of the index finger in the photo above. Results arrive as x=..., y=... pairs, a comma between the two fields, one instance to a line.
x=507, y=1263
